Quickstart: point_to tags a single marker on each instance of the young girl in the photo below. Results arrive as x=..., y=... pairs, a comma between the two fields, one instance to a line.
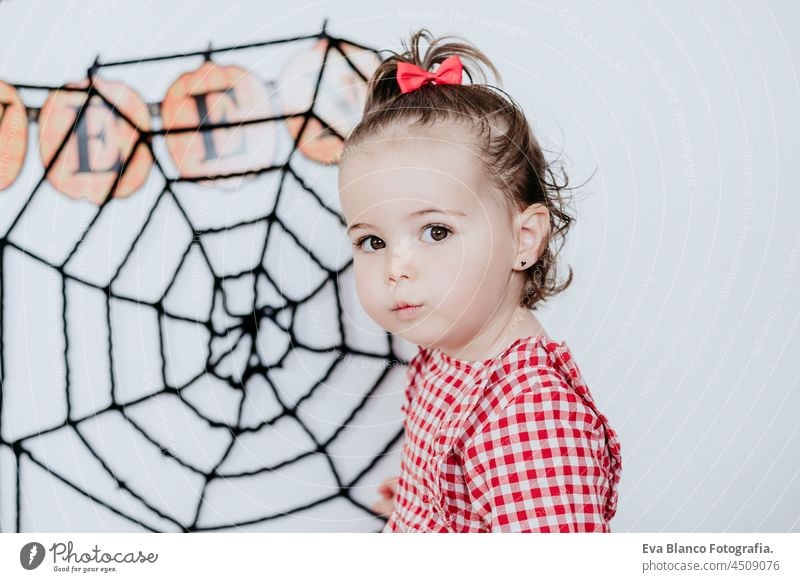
x=454, y=214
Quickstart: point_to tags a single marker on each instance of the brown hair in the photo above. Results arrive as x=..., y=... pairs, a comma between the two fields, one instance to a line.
x=510, y=151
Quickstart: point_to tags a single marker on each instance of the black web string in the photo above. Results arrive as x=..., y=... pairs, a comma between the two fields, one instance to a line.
x=248, y=326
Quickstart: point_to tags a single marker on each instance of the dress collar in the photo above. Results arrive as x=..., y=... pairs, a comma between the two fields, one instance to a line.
x=445, y=361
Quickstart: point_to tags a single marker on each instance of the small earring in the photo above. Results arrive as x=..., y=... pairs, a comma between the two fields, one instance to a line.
x=523, y=263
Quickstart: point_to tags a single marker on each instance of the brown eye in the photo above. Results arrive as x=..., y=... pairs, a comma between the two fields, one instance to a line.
x=439, y=232
x=360, y=244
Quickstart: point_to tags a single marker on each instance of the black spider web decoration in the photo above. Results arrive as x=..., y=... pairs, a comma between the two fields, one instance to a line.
x=233, y=342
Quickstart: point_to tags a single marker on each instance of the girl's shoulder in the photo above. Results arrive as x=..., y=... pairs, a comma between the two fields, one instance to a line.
x=534, y=365
x=536, y=373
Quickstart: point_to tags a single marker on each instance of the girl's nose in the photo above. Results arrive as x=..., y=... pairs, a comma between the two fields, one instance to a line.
x=400, y=263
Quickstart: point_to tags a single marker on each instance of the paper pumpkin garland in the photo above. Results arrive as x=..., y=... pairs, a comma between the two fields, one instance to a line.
x=218, y=123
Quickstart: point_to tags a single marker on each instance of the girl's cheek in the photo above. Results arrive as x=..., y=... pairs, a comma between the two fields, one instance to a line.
x=457, y=258
x=363, y=283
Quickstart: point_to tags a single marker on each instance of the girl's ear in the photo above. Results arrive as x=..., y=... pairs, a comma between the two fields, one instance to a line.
x=534, y=229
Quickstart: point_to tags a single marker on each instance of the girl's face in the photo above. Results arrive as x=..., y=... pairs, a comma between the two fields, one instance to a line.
x=429, y=232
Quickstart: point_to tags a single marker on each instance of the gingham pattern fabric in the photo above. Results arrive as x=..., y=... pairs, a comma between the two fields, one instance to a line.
x=511, y=444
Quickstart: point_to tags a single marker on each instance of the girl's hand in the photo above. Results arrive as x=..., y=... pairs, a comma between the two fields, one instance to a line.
x=388, y=491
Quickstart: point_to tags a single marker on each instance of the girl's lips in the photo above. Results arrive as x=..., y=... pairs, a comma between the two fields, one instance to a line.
x=408, y=312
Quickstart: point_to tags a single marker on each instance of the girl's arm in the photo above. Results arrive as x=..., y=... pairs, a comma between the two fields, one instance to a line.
x=540, y=465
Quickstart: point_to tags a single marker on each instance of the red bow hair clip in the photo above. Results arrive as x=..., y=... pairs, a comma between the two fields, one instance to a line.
x=411, y=77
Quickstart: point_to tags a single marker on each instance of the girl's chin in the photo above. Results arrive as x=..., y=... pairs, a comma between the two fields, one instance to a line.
x=418, y=334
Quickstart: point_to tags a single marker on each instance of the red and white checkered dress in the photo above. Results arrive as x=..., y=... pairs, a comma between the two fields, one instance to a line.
x=510, y=444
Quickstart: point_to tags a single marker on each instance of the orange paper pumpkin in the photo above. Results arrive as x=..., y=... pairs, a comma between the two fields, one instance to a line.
x=13, y=134
x=97, y=148
x=340, y=100
x=216, y=94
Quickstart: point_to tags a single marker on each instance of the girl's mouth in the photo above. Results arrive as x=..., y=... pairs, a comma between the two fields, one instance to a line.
x=408, y=312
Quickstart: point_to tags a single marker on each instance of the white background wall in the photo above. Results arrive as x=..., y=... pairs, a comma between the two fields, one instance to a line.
x=683, y=314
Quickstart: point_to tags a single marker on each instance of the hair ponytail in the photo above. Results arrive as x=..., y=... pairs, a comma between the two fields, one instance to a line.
x=383, y=88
